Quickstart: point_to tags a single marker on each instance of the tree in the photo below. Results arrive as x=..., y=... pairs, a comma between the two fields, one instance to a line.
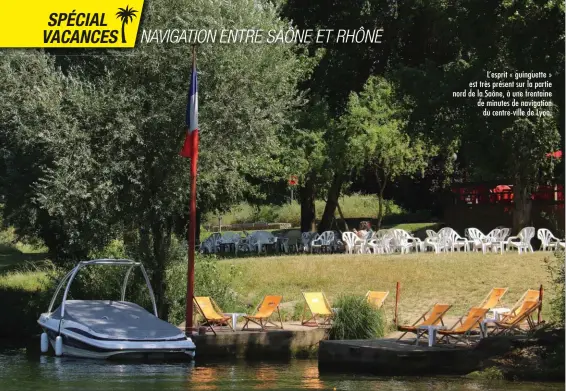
x=47, y=122
x=380, y=141
x=432, y=49
x=111, y=161
x=310, y=141
x=415, y=33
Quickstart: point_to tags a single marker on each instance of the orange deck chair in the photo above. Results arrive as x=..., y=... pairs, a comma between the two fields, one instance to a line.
x=435, y=315
x=376, y=298
x=462, y=329
x=263, y=312
x=512, y=322
x=529, y=295
x=493, y=299
x=211, y=314
x=318, y=306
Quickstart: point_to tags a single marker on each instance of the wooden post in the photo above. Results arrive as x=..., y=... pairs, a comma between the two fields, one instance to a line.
x=539, y=315
x=396, y=320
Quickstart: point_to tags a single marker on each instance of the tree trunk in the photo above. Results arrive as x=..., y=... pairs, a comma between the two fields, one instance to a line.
x=308, y=209
x=380, y=209
x=331, y=203
x=381, y=185
x=342, y=216
x=523, y=206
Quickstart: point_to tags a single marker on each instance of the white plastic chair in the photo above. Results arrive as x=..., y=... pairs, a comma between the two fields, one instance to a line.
x=306, y=239
x=500, y=240
x=431, y=234
x=353, y=243
x=260, y=240
x=504, y=233
x=438, y=241
x=547, y=240
x=322, y=241
x=455, y=241
x=209, y=245
x=229, y=239
x=404, y=241
x=293, y=240
x=477, y=240
x=433, y=241
x=523, y=240
x=379, y=243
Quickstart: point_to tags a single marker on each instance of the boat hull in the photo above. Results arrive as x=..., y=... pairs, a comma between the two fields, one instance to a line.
x=79, y=340
x=82, y=348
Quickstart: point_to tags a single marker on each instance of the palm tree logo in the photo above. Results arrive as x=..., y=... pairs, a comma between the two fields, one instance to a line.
x=126, y=15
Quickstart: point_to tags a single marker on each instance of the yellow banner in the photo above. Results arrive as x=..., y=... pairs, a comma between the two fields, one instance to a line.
x=69, y=23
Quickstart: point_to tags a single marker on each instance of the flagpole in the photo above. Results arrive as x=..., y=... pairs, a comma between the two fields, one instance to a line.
x=192, y=228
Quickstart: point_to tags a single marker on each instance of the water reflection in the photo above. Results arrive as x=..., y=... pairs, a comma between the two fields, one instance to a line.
x=310, y=378
x=203, y=378
x=18, y=372
x=267, y=376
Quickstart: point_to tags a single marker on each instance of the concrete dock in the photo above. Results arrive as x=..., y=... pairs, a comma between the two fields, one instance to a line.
x=291, y=342
x=389, y=357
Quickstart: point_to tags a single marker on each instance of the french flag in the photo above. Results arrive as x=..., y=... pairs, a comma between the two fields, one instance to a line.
x=190, y=148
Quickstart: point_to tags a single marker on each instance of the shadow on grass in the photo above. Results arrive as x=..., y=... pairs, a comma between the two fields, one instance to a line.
x=11, y=258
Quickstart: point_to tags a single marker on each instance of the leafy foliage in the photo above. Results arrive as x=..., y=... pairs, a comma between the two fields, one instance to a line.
x=99, y=140
x=555, y=267
x=353, y=206
x=432, y=49
x=357, y=319
x=210, y=281
x=377, y=123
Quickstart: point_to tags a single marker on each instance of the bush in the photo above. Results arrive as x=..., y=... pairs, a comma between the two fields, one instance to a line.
x=115, y=250
x=357, y=319
x=209, y=281
x=491, y=373
x=555, y=267
x=290, y=213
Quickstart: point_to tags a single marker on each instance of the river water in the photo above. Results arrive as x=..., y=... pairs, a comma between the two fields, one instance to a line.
x=21, y=372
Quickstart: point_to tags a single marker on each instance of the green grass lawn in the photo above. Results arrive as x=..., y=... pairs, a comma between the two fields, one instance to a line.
x=460, y=279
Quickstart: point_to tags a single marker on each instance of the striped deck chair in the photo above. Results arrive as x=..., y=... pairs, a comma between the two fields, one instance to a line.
x=211, y=314
x=263, y=312
x=376, y=298
x=434, y=317
x=318, y=306
x=462, y=329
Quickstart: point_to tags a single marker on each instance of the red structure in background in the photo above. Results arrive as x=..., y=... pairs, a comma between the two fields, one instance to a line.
x=557, y=154
x=492, y=193
x=485, y=193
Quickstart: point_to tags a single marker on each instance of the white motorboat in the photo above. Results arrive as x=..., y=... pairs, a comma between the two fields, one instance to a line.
x=108, y=328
